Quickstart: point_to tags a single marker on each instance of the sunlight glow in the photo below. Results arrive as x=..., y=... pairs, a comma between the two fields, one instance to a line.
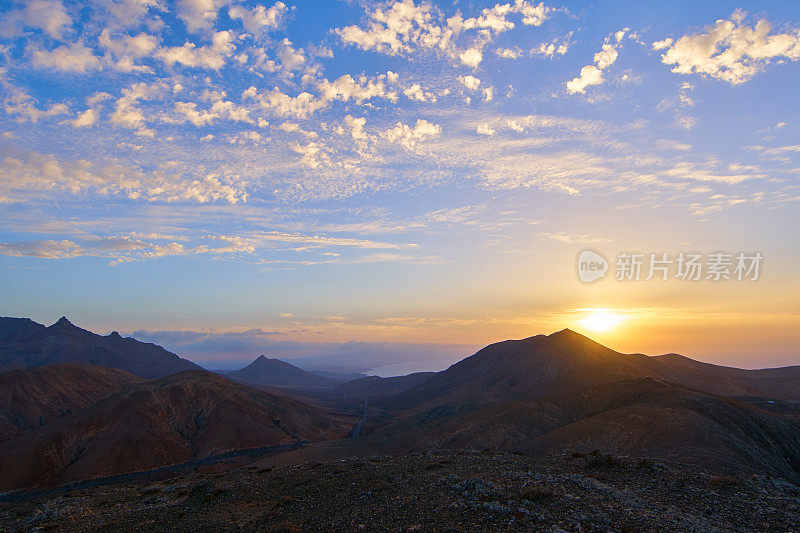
x=601, y=320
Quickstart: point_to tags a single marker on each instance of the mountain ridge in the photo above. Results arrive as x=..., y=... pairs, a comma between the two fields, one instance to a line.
x=30, y=345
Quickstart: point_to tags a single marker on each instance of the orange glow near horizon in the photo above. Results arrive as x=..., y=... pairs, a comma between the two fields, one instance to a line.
x=601, y=320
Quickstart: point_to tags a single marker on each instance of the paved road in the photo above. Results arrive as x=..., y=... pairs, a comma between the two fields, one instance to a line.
x=357, y=430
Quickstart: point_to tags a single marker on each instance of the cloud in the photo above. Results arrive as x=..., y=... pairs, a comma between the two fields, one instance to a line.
x=85, y=119
x=485, y=129
x=471, y=57
x=46, y=15
x=127, y=113
x=409, y=136
x=404, y=27
x=69, y=58
x=556, y=47
x=470, y=82
x=199, y=14
x=25, y=107
x=344, y=88
x=260, y=19
x=51, y=249
x=593, y=74
x=241, y=347
x=26, y=173
x=509, y=53
x=730, y=50
x=211, y=56
x=575, y=239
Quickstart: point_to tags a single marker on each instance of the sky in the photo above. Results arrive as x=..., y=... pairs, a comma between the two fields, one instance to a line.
x=389, y=186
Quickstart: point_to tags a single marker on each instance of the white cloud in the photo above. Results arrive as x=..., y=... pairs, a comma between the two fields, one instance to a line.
x=557, y=47
x=471, y=57
x=24, y=106
x=590, y=75
x=344, y=88
x=470, y=82
x=70, y=58
x=575, y=239
x=85, y=119
x=408, y=136
x=405, y=27
x=730, y=50
x=593, y=74
x=199, y=14
x=260, y=18
x=46, y=15
x=127, y=112
x=190, y=112
x=485, y=129
x=210, y=56
x=509, y=53
x=28, y=173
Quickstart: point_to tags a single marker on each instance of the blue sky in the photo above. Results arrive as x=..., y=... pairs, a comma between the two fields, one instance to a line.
x=401, y=173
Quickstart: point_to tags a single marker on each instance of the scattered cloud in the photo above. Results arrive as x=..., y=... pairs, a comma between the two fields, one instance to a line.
x=731, y=50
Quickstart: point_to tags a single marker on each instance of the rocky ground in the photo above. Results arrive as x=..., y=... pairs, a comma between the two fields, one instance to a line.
x=435, y=491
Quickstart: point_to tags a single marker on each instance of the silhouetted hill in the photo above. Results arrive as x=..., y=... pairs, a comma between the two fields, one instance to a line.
x=33, y=397
x=268, y=372
x=171, y=420
x=550, y=364
x=374, y=386
x=14, y=328
x=28, y=344
x=530, y=367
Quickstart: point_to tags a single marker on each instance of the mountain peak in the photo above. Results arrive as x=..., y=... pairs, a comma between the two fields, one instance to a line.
x=63, y=323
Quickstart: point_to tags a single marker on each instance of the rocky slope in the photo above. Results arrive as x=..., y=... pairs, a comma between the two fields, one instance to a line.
x=171, y=420
x=642, y=417
x=33, y=397
x=440, y=491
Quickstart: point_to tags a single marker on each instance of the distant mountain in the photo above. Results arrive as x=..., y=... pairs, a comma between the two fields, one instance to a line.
x=374, y=386
x=24, y=344
x=276, y=373
x=641, y=417
x=341, y=377
x=36, y=396
x=12, y=329
x=178, y=418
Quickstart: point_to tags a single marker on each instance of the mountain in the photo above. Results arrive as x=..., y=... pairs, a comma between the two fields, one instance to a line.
x=33, y=397
x=565, y=360
x=373, y=386
x=24, y=344
x=181, y=417
x=267, y=372
x=640, y=417
x=530, y=367
x=15, y=328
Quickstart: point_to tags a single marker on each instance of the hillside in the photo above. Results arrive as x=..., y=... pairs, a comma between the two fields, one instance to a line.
x=36, y=396
x=170, y=420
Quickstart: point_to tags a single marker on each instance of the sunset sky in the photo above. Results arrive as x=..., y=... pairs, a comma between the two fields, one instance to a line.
x=390, y=186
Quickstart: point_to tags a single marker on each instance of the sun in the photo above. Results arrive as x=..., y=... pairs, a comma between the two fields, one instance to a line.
x=601, y=320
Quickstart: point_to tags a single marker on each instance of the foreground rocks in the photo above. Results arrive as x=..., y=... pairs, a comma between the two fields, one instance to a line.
x=436, y=491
